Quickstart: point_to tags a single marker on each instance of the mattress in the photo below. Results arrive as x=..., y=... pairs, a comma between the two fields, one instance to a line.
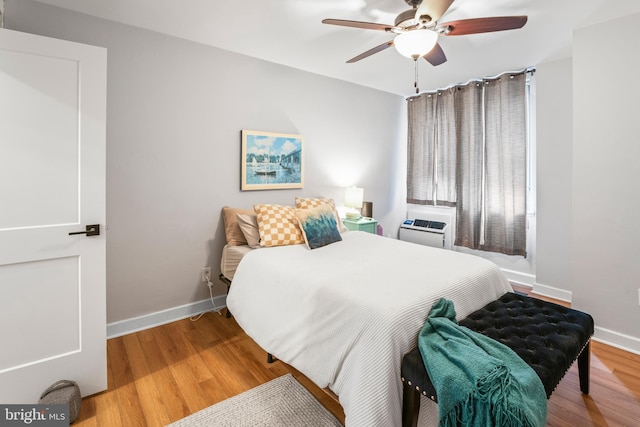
x=345, y=314
x=231, y=256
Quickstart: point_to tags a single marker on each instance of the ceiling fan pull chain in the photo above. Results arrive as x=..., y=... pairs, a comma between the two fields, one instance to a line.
x=415, y=84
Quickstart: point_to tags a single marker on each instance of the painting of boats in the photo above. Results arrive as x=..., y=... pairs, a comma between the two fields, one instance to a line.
x=271, y=161
x=266, y=172
x=264, y=169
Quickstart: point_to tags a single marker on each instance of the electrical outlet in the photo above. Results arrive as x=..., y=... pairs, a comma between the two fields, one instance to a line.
x=206, y=274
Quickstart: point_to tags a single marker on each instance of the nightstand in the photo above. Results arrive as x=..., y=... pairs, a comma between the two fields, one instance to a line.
x=369, y=225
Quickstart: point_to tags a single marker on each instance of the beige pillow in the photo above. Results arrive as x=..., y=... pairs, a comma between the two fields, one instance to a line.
x=278, y=225
x=249, y=227
x=314, y=202
x=231, y=228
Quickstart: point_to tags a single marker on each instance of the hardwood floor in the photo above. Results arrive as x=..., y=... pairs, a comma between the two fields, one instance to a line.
x=160, y=375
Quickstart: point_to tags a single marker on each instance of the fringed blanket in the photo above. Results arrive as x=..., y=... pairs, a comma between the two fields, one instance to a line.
x=479, y=381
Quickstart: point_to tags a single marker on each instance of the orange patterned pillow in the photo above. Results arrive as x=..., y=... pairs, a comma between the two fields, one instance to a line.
x=278, y=225
x=306, y=203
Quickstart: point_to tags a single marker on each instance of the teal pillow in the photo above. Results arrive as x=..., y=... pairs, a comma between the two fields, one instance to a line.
x=318, y=226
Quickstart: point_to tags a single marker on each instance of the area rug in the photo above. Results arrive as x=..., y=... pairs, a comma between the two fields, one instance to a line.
x=281, y=402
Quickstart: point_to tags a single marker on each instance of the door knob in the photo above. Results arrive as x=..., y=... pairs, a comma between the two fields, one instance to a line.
x=91, y=230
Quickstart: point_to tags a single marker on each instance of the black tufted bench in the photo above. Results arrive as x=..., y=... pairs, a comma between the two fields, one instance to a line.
x=548, y=336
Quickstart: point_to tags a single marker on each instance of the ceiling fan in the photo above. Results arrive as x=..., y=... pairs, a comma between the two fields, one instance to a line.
x=417, y=29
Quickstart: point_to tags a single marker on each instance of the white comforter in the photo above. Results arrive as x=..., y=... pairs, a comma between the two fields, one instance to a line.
x=345, y=314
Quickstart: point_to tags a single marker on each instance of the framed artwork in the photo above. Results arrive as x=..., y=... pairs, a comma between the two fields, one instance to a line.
x=271, y=161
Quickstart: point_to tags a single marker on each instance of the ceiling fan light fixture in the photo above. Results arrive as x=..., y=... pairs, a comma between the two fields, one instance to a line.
x=416, y=43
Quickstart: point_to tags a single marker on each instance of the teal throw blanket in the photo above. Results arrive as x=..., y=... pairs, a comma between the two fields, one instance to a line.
x=479, y=381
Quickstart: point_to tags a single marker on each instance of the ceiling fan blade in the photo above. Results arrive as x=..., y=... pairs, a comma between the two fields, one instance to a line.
x=358, y=24
x=370, y=52
x=436, y=56
x=433, y=9
x=482, y=25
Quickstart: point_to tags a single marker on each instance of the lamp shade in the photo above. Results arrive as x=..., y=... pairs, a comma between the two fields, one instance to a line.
x=353, y=197
x=415, y=43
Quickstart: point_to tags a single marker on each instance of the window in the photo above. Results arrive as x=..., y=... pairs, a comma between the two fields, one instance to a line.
x=467, y=148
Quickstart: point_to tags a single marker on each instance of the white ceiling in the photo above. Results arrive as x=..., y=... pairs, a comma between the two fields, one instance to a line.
x=290, y=32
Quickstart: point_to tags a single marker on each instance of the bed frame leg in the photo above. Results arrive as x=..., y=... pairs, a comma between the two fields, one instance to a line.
x=228, y=283
x=270, y=358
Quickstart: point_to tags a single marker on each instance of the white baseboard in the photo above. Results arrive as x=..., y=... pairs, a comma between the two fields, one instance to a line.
x=135, y=324
x=518, y=277
x=550, y=291
x=616, y=339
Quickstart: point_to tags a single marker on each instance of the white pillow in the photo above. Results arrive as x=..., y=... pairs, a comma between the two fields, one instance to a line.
x=249, y=226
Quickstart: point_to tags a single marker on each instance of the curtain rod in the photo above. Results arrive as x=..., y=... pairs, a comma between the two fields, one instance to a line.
x=528, y=70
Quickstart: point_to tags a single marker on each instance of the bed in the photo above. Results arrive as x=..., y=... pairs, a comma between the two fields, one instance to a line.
x=231, y=256
x=344, y=314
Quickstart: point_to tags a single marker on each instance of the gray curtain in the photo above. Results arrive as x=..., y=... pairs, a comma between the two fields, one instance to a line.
x=431, y=158
x=421, y=149
x=446, y=153
x=470, y=165
x=504, y=214
x=467, y=148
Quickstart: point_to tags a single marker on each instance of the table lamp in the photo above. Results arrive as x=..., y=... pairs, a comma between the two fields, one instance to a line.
x=353, y=197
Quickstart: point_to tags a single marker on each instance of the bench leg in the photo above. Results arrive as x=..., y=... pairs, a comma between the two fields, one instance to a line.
x=410, y=405
x=584, y=362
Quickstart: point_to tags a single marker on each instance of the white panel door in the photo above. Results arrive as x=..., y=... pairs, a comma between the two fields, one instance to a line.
x=52, y=183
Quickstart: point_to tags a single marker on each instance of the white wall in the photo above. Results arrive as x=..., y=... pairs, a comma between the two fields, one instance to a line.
x=174, y=114
x=606, y=173
x=554, y=178
x=587, y=178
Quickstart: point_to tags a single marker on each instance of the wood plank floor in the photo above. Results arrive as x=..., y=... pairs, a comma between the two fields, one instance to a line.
x=162, y=374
